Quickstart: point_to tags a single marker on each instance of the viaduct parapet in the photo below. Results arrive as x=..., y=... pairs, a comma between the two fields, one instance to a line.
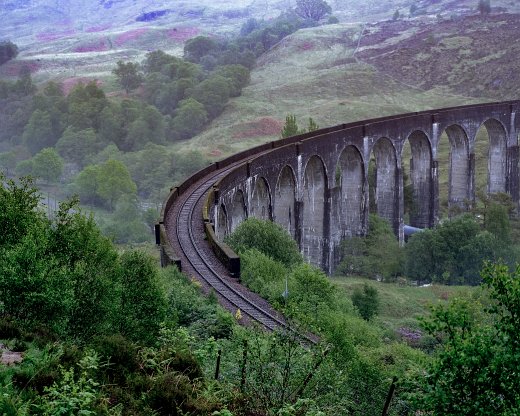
x=316, y=185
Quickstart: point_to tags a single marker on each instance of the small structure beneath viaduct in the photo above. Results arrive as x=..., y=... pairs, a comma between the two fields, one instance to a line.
x=316, y=185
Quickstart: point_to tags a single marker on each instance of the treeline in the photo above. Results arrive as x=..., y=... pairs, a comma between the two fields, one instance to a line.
x=8, y=51
x=453, y=252
x=104, y=333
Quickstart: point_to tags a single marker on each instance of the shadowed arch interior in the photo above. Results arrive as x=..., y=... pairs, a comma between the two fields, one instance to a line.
x=260, y=200
x=238, y=210
x=496, y=156
x=458, y=167
x=284, y=200
x=222, y=223
x=352, y=178
x=420, y=179
x=314, y=189
x=385, y=180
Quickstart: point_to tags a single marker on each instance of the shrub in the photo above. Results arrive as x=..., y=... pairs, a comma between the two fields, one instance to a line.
x=267, y=237
x=366, y=301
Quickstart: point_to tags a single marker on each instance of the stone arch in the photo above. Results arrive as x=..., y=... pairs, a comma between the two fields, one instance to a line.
x=238, y=210
x=351, y=175
x=222, y=223
x=314, y=211
x=261, y=200
x=419, y=173
x=284, y=200
x=458, y=167
x=497, y=155
x=384, y=181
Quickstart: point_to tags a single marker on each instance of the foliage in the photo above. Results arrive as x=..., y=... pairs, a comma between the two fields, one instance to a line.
x=366, y=301
x=78, y=146
x=38, y=132
x=142, y=302
x=484, y=7
x=376, y=255
x=312, y=9
x=190, y=118
x=128, y=75
x=8, y=51
x=104, y=183
x=454, y=251
x=73, y=395
x=48, y=165
x=290, y=127
x=267, y=237
x=474, y=372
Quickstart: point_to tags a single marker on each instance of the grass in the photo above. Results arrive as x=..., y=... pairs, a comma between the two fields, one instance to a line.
x=401, y=305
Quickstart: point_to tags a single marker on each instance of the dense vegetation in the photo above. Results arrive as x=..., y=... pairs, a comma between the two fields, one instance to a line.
x=464, y=349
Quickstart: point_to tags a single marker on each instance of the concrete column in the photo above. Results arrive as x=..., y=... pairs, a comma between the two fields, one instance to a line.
x=327, y=263
x=434, y=195
x=512, y=178
x=397, y=221
x=471, y=178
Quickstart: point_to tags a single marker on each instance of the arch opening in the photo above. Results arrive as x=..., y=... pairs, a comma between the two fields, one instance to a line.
x=222, y=223
x=313, y=215
x=383, y=181
x=261, y=200
x=238, y=210
x=490, y=151
x=453, y=171
x=417, y=185
x=350, y=178
x=284, y=201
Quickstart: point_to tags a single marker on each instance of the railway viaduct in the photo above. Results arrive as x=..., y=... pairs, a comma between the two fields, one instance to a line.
x=317, y=187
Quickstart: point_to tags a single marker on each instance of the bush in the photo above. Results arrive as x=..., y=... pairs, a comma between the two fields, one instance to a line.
x=267, y=237
x=366, y=301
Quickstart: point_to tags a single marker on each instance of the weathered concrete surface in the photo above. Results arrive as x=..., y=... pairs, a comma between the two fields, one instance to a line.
x=317, y=185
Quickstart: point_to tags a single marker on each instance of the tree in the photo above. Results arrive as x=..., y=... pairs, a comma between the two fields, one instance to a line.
x=38, y=133
x=484, y=7
x=268, y=237
x=213, y=93
x=290, y=127
x=475, y=369
x=86, y=185
x=128, y=75
x=312, y=9
x=143, y=304
x=77, y=146
x=396, y=15
x=197, y=47
x=238, y=77
x=366, y=301
x=114, y=181
x=48, y=165
x=189, y=119
x=376, y=255
x=8, y=51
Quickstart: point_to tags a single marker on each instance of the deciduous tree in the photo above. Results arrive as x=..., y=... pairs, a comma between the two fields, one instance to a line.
x=128, y=75
x=312, y=9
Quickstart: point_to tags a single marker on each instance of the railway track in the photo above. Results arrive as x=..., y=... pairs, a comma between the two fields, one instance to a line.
x=185, y=230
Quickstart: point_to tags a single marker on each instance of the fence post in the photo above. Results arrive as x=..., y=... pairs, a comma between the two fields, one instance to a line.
x=389, y=396
x=217, y=369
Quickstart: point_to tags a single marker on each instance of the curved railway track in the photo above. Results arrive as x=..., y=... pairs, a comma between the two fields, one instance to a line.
x=185, y=230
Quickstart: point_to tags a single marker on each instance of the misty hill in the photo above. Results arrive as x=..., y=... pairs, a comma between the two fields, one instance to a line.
x=399, y=66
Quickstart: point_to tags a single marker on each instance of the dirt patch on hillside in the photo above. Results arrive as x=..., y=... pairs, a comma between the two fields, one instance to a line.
x=8, y=357
x=474, y=55
x=265, y=126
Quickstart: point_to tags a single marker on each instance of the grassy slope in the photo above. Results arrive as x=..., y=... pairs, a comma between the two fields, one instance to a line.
x=314, y=73
x=400, y=306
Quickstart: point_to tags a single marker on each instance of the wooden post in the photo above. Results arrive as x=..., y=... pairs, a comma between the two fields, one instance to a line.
x=389, y=397
x=217, y=369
